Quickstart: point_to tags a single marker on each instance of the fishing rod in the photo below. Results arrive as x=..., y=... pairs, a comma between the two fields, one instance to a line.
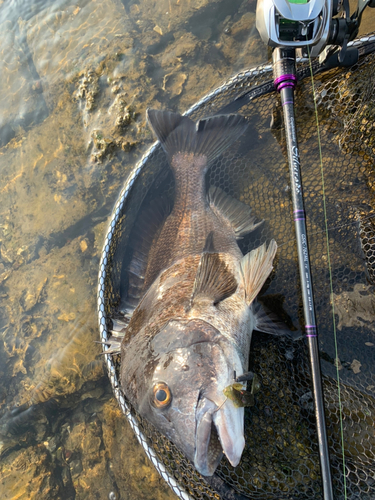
x=316, y=29
x=285, y=81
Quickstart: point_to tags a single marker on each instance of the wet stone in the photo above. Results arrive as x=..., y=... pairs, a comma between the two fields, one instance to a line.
x=66, y=476
x=21, y=472
x=75, y=467
x=355, y=307
x=32, y=297
x=52, y=444
x=88, y=89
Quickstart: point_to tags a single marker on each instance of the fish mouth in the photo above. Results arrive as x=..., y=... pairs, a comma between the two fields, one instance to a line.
x=219, y=429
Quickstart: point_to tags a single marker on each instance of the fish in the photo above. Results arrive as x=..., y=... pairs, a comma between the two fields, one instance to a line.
x=190, y=333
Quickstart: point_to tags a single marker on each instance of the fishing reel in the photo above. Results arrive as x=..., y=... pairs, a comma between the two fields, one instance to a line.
x=310, y=25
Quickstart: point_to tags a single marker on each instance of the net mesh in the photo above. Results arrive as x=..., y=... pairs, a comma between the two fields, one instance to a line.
x=280, y=459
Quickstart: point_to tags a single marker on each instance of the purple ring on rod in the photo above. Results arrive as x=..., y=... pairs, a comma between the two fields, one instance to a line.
x=285, y=81
x=284, y=85
x=311, y=331
x=299, y=215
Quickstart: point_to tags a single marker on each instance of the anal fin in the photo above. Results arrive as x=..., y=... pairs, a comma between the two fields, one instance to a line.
x=235, y=212
x=256, y=267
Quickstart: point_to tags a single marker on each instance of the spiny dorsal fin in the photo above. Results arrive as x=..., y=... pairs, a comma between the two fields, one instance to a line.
x=119, y=326
x=256, y=267
x=208, y=137
x=213, y=280
x=237, y=213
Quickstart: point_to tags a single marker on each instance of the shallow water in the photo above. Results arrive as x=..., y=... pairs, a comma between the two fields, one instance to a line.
x=76, y=79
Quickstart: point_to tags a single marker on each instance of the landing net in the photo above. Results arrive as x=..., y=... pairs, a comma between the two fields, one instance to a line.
x=280, y=460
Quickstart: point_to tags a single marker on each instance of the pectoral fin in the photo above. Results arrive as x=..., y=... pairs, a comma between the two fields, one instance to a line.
x=256, y=267
x=213, y=279
x=268, y=322
x=235, y=212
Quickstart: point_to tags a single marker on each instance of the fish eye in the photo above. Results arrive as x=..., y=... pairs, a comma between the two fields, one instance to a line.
x=162, y=395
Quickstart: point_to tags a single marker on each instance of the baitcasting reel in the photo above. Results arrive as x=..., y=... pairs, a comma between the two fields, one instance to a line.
x=309, y=25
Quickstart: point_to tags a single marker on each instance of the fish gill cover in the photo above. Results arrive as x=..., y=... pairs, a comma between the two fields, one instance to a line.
x=280, y=459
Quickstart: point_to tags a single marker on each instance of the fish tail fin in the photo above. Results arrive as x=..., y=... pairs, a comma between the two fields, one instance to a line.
x=256, y=267
x=207, y=138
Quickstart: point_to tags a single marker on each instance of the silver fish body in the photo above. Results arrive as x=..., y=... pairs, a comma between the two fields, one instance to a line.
x=191, y=331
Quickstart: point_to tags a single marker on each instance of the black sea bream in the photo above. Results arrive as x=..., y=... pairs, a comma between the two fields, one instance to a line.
x=191, y=330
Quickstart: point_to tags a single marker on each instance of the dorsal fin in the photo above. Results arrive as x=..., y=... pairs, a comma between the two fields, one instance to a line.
x=207, y=138
x=256, y=267
x=213, y=281
x=235, y=212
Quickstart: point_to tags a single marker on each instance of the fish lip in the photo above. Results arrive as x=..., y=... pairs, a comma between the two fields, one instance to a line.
x=204, y=421
x=228, y=422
